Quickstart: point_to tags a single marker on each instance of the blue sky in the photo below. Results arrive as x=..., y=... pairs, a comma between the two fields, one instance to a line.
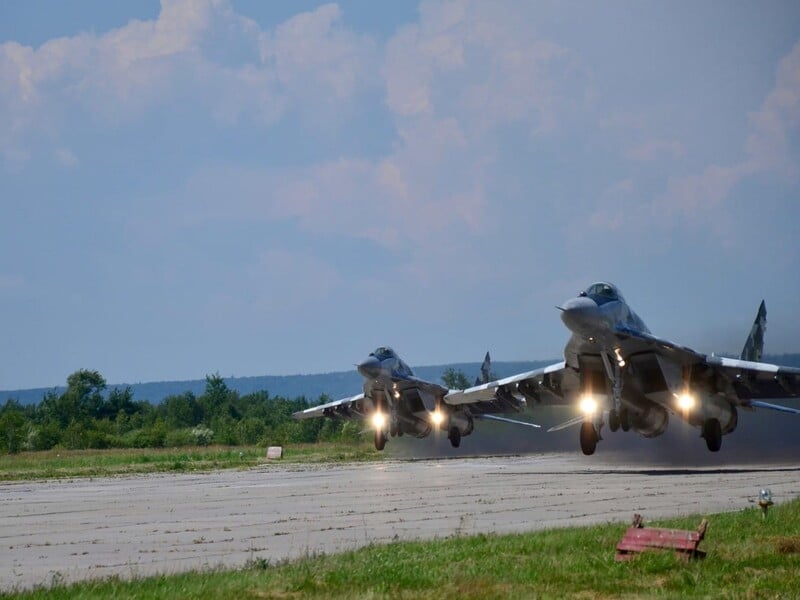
x=271, y=188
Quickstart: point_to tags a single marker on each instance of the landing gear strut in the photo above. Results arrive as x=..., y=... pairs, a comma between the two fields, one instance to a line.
x=588, y=438
x=712, y=432
x=614, y=367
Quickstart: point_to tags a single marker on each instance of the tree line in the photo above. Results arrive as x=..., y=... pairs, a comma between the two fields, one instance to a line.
x=86, y=415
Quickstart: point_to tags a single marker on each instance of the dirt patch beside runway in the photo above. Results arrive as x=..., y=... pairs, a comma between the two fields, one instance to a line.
x=136, y=526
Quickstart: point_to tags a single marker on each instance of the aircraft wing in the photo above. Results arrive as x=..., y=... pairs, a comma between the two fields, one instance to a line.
x=491, y=397
x=741, y=381
x=635, y=342
x=344, y=408
x=751, y=381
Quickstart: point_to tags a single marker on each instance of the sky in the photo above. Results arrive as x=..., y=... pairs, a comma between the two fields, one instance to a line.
x=252, y=188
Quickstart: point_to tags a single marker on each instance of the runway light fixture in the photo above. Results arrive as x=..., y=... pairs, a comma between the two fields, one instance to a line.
x=686, y=401
x=588, y=405
x=437, y=417
x=765, y=501
x=378, y=420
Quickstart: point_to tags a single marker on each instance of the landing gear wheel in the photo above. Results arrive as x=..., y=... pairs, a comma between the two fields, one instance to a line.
x=712, y=432
x=613, y=420
x=454, y=435
x=624, y=419
x=380, y=439
x=393, y=428
x=588, y=438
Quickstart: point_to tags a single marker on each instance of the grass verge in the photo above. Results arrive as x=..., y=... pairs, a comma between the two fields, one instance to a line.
x=747, y=558
x=99, y=463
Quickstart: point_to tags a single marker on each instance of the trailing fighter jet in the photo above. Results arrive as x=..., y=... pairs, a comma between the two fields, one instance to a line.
x=395, y=403
x=614, y=367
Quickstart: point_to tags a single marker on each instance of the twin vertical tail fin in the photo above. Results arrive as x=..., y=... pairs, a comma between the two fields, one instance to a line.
x=754, y=346
x=486, y=371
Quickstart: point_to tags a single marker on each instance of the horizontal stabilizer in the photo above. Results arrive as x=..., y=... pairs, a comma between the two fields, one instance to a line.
x=565, y=424
x=778, y=407
x=506, y=420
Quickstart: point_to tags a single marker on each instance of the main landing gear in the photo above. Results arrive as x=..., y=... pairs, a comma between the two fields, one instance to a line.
x=712, y=432
x=454, y=435
x=589, y=438
x=619, y=419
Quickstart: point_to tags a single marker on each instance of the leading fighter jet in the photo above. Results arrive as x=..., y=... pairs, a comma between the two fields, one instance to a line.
x=614, y=367
x=395, y=403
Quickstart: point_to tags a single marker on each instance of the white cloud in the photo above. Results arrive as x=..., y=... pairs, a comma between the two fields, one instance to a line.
x=200, y=50
x=702, y=197
x=280, y=275
x=614, y=206
x=453, y=81
x=768, y=144
x=11, y=282
x=656, y=150
x=701, y=194
x=481, y=63
x=66, y=158
x=313, y=54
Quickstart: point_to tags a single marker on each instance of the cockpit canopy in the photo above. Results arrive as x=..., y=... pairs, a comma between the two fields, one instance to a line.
x=603, y=292
x=383, y=353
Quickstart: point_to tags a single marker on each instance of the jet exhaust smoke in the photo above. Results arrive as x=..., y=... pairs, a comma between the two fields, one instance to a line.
x=762, y=437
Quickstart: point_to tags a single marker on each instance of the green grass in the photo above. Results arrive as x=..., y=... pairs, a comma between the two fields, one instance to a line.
x=99, y=463
x=747, y=558
x=325, y=452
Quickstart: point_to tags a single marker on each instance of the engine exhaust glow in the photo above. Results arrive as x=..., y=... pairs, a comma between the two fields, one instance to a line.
x=437, y=417
x=378, y=420
x=588, y=405
x=685, y=401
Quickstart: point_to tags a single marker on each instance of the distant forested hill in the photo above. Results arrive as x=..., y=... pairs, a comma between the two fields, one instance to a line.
x=335, y=385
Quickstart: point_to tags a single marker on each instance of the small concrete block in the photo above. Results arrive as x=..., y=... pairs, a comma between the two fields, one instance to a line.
x=275, y=452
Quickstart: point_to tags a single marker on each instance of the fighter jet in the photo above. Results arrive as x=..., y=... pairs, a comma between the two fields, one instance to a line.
x=614, y=369
x=395, y=403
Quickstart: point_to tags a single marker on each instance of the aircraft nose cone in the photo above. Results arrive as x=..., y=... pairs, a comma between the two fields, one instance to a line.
x=579, y=313
x=370, y=367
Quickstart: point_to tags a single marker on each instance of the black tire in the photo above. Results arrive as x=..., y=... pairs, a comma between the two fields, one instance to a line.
x=588, y=438
x=380, y=439
x=454, y=435
x=613, y=420
x=624, y=419
x=712, y=432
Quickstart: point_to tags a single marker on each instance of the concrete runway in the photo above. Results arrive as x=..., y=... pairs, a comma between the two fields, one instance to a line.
x=135, y=526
